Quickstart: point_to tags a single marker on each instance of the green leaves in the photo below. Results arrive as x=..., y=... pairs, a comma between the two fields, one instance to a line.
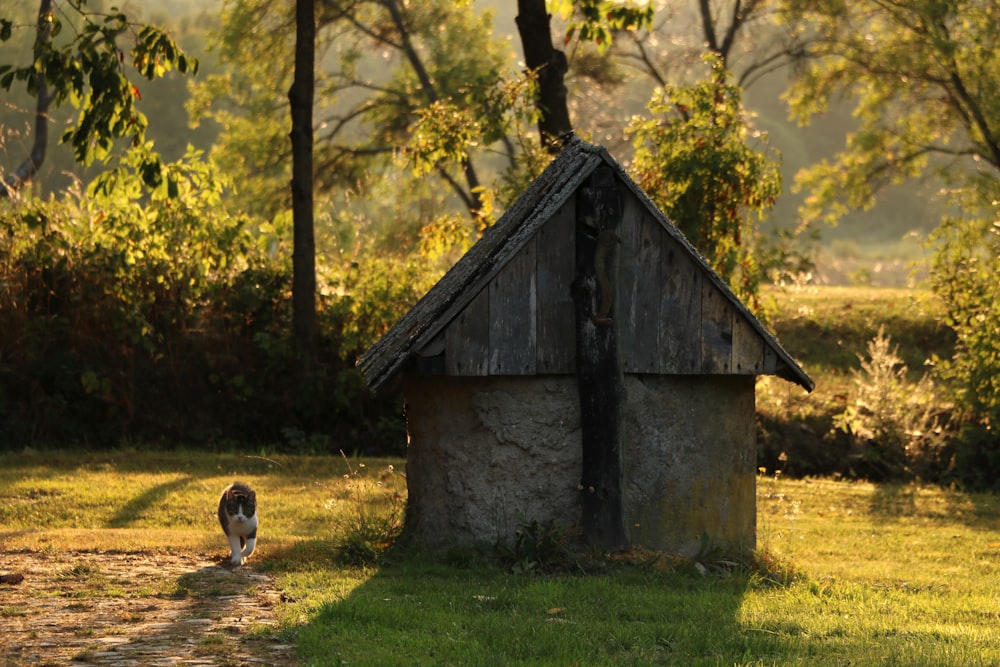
x=89, y=73
x=155, y=54
x=923, y=77
x=697, y=158
x=596, y=21
x=925, y=81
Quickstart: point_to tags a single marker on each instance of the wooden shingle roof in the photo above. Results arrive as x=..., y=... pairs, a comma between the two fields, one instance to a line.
x=540, y=202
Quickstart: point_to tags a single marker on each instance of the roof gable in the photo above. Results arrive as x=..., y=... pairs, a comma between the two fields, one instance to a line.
x=496, y=259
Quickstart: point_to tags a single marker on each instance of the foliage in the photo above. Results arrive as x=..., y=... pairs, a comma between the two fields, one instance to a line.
x=893, y=419
x=596, y=21
x=428, y=105
x=696, y=159
x=828, y=330
x=148, y=316
x=922, y=76
x=966, y=277
x=536, y=548
x=88, y=71
x=924, y=80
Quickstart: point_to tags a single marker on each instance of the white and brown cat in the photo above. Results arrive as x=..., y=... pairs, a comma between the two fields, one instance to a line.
x=238, y=516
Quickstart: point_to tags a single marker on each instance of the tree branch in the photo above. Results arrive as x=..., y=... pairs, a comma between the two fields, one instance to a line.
x=707, y=26
x=27, y=169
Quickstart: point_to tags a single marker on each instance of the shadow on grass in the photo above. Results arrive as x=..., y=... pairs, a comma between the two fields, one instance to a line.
x=147, y=502
x=421, y=612
x=894, y=502
x=460, y=610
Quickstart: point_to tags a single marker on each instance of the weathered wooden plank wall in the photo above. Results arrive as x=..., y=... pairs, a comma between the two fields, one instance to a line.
x=748, y=349
x=467, y=339
x=716, y=331
x=639, y=291
x=513, y=314
x=556, y=352
x=673, y=320
x=680, y=309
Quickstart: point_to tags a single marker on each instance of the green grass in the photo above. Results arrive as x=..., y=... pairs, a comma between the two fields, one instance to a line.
x=886, y=575
x=164, y=499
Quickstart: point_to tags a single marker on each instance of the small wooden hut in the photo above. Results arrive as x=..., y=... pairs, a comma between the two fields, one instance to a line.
x=581, y=365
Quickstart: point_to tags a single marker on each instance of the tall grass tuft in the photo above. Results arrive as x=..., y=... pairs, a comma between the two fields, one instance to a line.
x=374, y=519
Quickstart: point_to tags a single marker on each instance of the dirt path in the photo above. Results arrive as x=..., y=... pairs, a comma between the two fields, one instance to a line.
x=122, y=609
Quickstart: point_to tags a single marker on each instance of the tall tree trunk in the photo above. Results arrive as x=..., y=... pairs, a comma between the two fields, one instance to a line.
x=300, y=97
x=533, y=24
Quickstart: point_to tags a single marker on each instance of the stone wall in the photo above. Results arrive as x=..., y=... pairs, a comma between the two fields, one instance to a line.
x=691, y=462
x=486, y=453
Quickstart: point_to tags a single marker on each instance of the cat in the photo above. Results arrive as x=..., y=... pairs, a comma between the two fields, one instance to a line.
x=238, y=516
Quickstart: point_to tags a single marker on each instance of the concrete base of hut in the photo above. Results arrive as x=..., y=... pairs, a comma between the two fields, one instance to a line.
x=486, y=454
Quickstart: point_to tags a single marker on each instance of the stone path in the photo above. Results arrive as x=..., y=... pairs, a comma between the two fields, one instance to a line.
x=143, y=609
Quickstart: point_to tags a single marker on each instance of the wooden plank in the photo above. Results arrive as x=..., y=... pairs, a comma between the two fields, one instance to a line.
x=467, y=339
x=680, y=309
x=600, y=381
x=556, y=262
x=513, y=310
x=770, y=361
x=748, y=348
x=639, y=292
x=716, y=331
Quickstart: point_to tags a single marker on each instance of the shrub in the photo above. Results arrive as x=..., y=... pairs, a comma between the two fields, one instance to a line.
x=966, y=276
x=709, y=173
x=161, y=318
x=893, y=420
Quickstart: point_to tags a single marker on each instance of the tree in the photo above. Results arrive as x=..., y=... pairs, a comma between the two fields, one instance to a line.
x=300, y=98
x=550, y=66
x=923, y=77
x=89, y=72
x=398, y=86
x=697, y=158
x=592, y=22
x=697, y=152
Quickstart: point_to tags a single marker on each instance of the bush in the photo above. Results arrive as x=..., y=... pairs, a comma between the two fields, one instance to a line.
x=894, y=422
x=163, y=319
x=966, y=276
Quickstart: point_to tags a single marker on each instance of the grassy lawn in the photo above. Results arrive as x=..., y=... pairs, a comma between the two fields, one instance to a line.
x=899, y=575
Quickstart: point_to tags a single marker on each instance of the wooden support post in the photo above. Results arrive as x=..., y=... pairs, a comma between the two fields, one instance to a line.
x=599, y=205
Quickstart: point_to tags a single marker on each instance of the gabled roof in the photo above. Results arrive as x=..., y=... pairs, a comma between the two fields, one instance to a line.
x=499, y=243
